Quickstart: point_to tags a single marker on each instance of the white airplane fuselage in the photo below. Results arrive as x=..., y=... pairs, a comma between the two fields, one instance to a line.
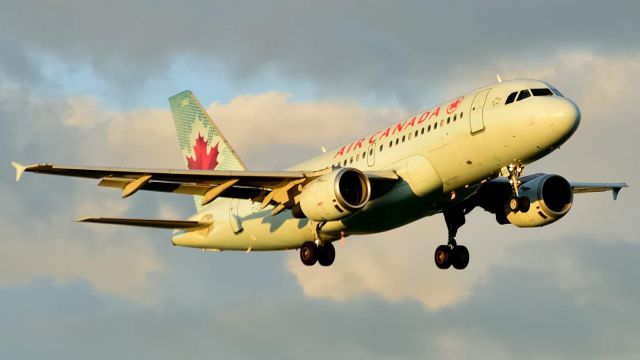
x=441, y=154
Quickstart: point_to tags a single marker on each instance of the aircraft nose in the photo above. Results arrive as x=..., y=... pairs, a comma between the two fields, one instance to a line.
x=565, y=117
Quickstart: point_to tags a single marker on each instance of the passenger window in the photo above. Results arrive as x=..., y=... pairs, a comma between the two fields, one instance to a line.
x=416, y=134
x=461, y=114
x=422, y=131
x=397, y=141
x=435, y=126
x=371, y=152
x=429, y=128
x=541, y=92
x=523, y=95
x=449, y=120
x=402, y=138
x=345, y=162
x=511, y=98
x=364, y=155
x=381, y=147
x=454, y=117
x=351, y=160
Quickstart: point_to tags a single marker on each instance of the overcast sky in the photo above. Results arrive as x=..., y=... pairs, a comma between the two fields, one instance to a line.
x=87, y=82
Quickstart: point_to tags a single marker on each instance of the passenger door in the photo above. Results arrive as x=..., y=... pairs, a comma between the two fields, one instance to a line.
x=476, y=120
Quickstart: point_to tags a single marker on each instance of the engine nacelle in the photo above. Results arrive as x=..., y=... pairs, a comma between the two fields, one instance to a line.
x=335, y=196
x=549, y=198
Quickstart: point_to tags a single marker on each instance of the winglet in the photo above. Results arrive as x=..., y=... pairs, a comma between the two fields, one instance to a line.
x=616, y=190
x=20, y=169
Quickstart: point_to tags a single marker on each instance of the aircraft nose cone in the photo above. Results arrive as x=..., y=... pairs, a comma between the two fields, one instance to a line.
x=566, y=116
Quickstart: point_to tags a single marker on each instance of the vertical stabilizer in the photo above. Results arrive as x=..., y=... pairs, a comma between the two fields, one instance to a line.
x=202, y=144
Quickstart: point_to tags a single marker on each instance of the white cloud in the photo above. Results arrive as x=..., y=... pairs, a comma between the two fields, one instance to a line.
x=52, y=245
x=254, y=124
x=40, y=237
x=145, y=137
x=84, y=111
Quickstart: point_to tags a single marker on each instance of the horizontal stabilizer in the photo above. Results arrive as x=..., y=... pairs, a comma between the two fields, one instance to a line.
x=161, y=224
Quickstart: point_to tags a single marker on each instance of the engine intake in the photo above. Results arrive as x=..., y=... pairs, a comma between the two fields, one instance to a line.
x=550, y=198
x=334, y=196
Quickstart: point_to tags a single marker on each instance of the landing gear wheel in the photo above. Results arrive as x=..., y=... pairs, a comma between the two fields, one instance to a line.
x=443, y=257
x=514, y=204
x=460, y=257
x=519, y=204
x=326, y=254
x=309, y=253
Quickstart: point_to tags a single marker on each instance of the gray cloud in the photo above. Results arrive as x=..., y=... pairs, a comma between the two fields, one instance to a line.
x=559, y=292
x=519, y=311
x=357, y=47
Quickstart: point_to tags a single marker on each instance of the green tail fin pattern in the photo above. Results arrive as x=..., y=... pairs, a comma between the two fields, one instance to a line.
x=201, y=142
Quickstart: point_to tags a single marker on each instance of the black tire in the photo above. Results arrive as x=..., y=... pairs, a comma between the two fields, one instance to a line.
x=460, y=257
x=309, y=253
x=326, y=254
x=514, y=204
x=442, y=257
x=521, y=204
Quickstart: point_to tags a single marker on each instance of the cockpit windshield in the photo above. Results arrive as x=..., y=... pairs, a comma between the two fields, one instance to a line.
x=556, y=91
x=541, y=92
x=523, y=94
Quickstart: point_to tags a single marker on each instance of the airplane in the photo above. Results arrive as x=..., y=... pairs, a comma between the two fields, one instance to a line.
x=464, y=153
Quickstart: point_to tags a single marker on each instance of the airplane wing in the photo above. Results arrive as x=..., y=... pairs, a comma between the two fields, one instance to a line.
x=588, y=187
x=265, y=186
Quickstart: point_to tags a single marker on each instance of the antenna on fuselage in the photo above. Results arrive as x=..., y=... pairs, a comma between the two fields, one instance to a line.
x=324, y=150
x=499, y=78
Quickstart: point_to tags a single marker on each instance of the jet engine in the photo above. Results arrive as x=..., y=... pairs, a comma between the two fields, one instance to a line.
x=544, y=200
x=334, y=196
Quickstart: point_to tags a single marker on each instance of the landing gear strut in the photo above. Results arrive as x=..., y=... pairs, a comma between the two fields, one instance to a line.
x=324, y=254
x=516, y=203
x=452, y=253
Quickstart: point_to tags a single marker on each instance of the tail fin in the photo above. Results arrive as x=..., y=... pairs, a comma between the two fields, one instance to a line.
x=201, y=142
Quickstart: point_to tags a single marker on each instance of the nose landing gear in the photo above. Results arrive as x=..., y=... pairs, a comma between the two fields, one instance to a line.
x=516, y=203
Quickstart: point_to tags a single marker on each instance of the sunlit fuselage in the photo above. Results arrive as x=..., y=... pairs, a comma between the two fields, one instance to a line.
x=442, y=154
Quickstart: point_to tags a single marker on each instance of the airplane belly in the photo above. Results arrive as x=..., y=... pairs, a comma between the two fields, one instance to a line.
x=399, y=207
x=241, y=225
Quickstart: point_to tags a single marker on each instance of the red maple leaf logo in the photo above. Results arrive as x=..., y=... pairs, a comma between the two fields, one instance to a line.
x=203, y=160
x=454, y=105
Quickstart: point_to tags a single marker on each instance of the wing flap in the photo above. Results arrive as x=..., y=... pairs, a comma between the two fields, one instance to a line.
x=153, y=223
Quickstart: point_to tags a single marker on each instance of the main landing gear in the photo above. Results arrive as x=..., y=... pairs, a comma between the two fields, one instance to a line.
x=323, y=253
x=452, y=253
